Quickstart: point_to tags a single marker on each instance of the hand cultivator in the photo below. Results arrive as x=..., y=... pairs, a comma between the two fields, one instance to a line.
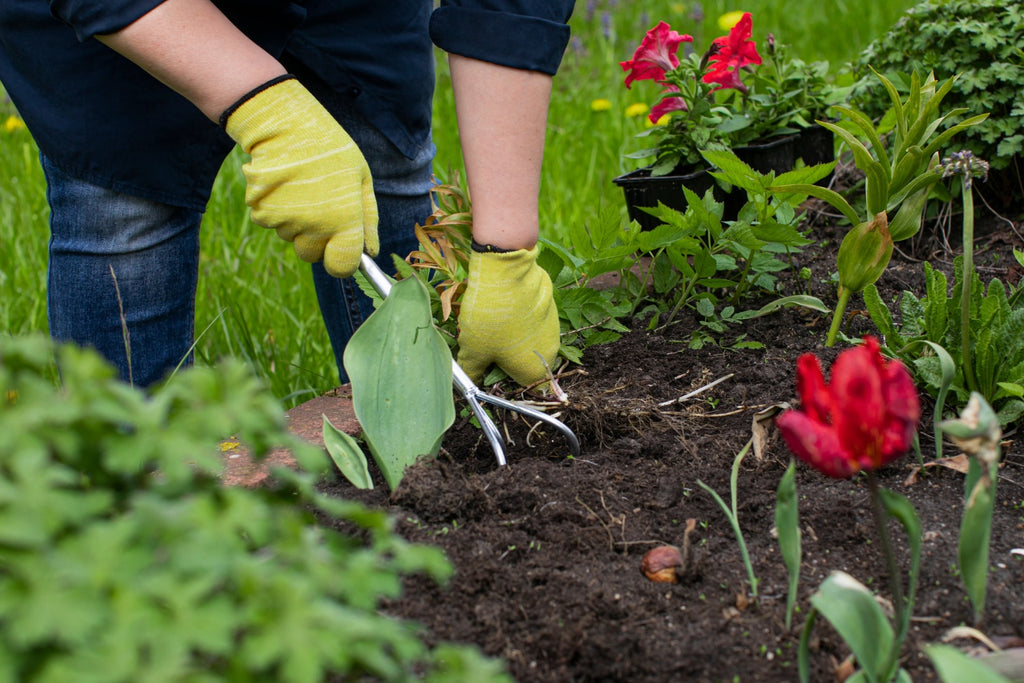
x=470, y=392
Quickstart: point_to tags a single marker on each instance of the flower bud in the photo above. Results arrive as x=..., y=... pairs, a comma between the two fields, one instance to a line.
x=865, y=253
x=661, y=564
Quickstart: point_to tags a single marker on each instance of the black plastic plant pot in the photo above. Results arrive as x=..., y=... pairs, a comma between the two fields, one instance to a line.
x=814, y=145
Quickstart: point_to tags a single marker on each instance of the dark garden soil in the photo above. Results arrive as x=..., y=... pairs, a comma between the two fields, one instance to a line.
x=547, y=550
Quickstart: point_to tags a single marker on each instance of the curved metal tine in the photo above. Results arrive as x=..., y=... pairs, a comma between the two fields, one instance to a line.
x=574, y=443
x=382, y=283
x=487, y=424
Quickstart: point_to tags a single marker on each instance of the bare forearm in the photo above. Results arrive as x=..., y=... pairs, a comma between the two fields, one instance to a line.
x=190, y=46
x=502, y=115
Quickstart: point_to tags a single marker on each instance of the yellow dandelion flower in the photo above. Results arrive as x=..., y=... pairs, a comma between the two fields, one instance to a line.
x=637, y=109
x=729, y=19
x=226, y=446
x=665, y=118
x=601, y=104
x=13, y=123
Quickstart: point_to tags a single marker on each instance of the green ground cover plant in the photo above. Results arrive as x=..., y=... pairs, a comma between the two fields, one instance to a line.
x=125, y=558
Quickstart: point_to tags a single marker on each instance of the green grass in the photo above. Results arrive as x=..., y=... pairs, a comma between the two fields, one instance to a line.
x=256, y=300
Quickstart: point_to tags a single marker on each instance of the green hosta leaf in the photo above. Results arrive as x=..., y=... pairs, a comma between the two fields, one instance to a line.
x=347, y=455
x=401, y=372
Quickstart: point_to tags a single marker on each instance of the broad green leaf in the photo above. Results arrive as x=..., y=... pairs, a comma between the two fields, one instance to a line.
x=401, y=373
x=347, y=455
x=855, y=614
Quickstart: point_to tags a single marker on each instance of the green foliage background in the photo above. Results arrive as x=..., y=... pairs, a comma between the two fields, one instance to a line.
x=979, y=40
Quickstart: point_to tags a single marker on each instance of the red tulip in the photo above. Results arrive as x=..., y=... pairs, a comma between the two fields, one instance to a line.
x=863, y=419
x=656, y=55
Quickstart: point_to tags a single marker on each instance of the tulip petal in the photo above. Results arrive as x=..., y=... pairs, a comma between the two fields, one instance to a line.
x=816, y=444
x=810, y=387
x=860, y=413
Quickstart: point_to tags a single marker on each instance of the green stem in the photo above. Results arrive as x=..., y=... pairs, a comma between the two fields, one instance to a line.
x=892, y=567
x=837, y=316
x=968, y=282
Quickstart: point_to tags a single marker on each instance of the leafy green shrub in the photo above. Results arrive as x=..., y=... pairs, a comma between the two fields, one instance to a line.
x=123, y=558
x=977, y=40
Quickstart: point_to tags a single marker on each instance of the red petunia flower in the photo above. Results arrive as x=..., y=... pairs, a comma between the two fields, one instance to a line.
x=656, y=55
x=667, y=105
x=863, y=419
x=725, y=79
x=729, y=54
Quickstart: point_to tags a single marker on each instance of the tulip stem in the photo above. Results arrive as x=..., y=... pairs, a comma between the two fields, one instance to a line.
x=966, y=286
x=837, y=315
x=892, y=567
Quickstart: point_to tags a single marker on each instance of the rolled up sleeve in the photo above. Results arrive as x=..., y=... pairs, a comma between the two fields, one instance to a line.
x=522, y=34
x=98, y=17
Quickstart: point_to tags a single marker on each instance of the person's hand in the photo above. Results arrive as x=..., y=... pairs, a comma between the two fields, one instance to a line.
x=307, y=179
x=508, y=317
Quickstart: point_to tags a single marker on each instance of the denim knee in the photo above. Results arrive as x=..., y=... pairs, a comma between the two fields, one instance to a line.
x=122, y=276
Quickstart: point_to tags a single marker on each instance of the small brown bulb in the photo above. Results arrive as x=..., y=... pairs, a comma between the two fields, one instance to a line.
x=662, y=563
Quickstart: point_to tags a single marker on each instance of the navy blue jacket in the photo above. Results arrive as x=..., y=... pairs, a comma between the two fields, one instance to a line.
x=102, y=119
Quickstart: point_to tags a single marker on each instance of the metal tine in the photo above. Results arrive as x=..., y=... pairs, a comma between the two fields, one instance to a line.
x=382, y=283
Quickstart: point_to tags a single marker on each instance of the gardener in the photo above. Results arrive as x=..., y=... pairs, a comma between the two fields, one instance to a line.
x=332, y=100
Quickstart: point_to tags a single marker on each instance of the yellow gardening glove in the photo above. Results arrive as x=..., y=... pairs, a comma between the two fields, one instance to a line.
x=508, y=317
x=306, y=179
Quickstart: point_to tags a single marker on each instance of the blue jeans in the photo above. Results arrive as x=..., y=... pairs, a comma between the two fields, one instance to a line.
x=115, y=257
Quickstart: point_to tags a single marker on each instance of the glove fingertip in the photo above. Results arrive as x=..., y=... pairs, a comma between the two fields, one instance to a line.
x=472, y=365
x=341, y=258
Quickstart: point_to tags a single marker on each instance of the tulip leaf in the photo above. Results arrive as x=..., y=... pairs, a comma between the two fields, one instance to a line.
x=855, y=614
x=975, y=534
x=347, y=455
x=953, y=665
x=787, y=524
x=401, y=374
